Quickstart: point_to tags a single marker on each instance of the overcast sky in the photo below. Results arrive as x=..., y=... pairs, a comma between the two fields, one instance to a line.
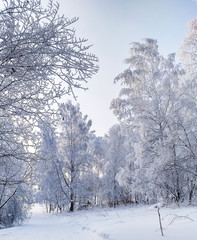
x=111, y=25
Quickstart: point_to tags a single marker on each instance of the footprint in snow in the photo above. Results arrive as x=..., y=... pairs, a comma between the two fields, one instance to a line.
x=104, y=235
x=85, y=228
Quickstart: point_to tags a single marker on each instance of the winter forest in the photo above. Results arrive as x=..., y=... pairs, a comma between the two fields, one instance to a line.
x=49, y=152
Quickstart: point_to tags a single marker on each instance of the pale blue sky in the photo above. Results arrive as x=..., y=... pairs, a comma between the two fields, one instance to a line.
x=111, y=25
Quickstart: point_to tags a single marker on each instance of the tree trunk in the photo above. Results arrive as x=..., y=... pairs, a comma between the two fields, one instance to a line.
x=71, y=201
x=71, y=206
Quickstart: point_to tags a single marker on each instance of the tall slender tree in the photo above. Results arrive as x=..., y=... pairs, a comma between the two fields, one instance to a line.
x=73, y=157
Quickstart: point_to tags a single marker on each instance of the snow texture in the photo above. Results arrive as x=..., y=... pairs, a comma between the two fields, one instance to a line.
x=123, y=223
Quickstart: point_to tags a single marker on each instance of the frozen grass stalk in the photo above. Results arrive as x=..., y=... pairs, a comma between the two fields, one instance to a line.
x=160, y=223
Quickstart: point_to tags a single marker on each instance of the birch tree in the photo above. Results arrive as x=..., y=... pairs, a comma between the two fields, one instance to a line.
x=152, y=101
x=73, y=158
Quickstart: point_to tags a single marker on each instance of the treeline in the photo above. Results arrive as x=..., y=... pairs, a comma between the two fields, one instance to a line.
x=150, y=156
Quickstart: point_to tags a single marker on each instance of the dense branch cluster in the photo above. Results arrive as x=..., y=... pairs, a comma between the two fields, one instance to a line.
x=41, y=59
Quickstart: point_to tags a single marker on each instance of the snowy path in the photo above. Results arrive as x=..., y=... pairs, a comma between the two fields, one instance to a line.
x=120, y=224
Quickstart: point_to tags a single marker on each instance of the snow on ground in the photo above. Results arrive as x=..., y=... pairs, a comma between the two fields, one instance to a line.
x=124, y=223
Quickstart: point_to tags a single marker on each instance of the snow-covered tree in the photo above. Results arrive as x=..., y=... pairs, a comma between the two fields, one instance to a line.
x=127, y=175
x=188, y=57
x=154, y=101
x=73, y=158
x=115, y=158
x=36, y=47
x=97, y=149
x=15, y=176
x=188, y=50
x=49, y=189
